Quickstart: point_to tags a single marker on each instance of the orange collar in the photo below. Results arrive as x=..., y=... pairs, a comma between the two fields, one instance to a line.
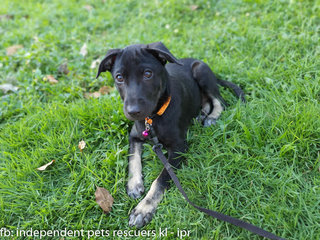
x=160, y=112
x=164, y=107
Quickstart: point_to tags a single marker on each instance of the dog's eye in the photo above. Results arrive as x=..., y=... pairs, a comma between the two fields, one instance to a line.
x=147, y=74
x=119, y=78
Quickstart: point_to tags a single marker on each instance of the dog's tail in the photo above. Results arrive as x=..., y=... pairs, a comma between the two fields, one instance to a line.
x=237, y=90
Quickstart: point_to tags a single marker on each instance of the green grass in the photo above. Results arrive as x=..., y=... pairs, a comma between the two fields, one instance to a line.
x=260, y=163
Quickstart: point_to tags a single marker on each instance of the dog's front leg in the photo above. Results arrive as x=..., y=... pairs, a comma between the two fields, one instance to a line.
x=135, y=183
x=143, y=212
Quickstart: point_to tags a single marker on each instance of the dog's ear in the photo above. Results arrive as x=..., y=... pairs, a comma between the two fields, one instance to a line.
x=108, y=61
x=161, y=52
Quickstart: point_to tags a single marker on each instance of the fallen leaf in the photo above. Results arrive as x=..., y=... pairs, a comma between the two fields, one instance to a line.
x=83, y=50
x=63, y=68
x=94, y=63
x=102, y=91
x=50, y=79
x=104, y=199
x=44, y=167
x=82, y=145
x=105, y=90
x=92, y=95
x=88, y=8
x=96, y=94
x=13, y=49
x=6, y=87
x=194, y=7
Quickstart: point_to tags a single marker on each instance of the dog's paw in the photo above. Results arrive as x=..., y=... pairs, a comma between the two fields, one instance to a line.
x=135, y=188
x=209, y=121
x=142, y=214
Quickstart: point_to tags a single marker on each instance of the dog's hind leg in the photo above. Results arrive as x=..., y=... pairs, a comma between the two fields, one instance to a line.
x=212, y=101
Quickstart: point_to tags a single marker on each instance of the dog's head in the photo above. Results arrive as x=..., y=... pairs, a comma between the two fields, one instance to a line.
x=140, y=76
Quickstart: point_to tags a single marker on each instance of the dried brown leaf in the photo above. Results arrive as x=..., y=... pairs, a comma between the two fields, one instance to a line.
x=82, y=145
x=104, y=199
x=88, y=95
x=102, y=91
x=194, y=7
x=50, y=79
x=88, y=7
x=44, y=167
x=105, y=90
x=13, y=49
x=96, y=94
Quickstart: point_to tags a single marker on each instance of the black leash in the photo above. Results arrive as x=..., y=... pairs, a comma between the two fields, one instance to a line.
x=157, y=148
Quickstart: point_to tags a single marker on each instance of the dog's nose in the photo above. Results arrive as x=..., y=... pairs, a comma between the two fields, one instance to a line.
x=133, y=110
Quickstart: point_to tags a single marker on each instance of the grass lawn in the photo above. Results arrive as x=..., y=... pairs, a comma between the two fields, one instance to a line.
x=260, y=163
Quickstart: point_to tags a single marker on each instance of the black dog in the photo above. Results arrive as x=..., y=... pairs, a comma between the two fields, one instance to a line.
x=166, y=96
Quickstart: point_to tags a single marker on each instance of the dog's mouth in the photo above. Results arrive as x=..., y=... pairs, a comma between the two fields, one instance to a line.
x=135, y=117
x=137, y=114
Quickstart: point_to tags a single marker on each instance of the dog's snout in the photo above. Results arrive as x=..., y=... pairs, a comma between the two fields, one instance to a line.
x=133, y=110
